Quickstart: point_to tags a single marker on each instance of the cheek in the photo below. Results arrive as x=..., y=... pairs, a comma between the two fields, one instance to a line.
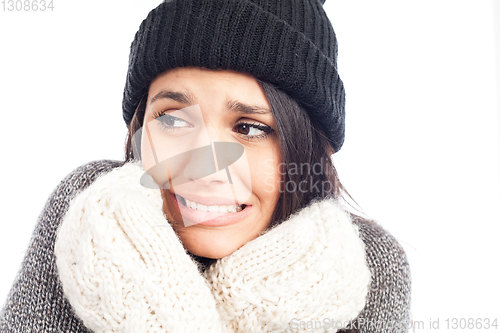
x=150, y=159
x=147, y=156
x=266, y=177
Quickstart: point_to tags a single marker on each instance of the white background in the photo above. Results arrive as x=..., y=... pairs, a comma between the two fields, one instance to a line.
x=422, y=145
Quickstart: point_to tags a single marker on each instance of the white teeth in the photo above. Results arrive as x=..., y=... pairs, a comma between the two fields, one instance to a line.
x=191, y=204
x=214, y=208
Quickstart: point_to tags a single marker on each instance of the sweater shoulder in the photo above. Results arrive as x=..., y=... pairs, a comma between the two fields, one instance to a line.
x=82, y=176
x=36, y=302
x=72, y=184
x=388, y=303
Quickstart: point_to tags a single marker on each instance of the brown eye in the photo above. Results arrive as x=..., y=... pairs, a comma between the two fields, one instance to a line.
x=170, y=123
x=253, y=131
x=243, y=129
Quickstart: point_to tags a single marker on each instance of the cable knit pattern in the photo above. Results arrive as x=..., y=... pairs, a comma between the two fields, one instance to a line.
x=38, y=304
x=309, y=268
x=36, y=301
x=123, y=274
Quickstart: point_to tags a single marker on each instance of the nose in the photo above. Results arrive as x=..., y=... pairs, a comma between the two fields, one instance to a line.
x=202, y=167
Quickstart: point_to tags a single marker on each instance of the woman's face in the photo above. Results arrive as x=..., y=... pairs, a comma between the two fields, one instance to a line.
x=211, y=138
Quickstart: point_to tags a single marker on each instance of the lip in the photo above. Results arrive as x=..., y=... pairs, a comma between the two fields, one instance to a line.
x=210, y=199
x=212, y=219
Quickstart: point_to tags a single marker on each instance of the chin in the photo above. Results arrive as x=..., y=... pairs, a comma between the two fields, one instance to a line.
x=213, y=254
x=203, y=250
x=210, y=244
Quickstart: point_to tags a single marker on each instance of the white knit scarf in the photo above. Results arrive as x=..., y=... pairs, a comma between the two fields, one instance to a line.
x=122, y=273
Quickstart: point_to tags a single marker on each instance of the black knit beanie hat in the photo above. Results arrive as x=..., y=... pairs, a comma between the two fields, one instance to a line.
x=288, y=43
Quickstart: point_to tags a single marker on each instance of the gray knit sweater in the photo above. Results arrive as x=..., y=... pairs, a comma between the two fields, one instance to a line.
x=36, y=302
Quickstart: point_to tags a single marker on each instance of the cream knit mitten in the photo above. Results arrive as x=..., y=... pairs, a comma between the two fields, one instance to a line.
x=310, y=268
x=122, y=266
x=124, y=269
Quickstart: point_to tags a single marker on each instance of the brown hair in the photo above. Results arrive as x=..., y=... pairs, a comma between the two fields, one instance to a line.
x=303, y=145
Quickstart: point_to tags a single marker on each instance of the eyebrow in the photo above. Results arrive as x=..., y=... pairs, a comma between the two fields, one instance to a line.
x=186, y=98
x=180, y=97
x=247, y=109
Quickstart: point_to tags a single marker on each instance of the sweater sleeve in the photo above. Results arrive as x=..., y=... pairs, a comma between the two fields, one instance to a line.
x=36, y=302
x=387, y=307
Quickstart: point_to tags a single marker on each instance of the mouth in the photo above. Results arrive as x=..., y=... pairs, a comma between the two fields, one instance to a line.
x=209, y=213
x=210, y=208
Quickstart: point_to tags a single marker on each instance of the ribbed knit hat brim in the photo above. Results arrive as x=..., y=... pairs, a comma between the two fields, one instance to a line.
x=288, y=43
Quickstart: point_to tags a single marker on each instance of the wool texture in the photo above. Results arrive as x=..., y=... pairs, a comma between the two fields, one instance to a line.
x=124, y=269
x=122, y=266
x=308, y=268
x=288, y=43
x=38, y=302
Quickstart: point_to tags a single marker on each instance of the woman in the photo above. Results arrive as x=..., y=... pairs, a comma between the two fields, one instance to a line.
x=226, y=214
